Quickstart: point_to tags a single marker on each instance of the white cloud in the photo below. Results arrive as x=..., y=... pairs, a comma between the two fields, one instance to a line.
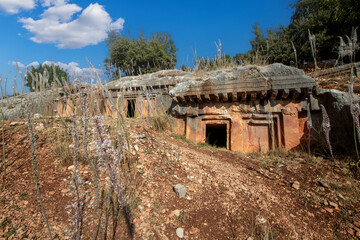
x=14, y=6
x=71, y=68
x=74, y=70
x=17, y=64
x=61, y=12
x=57, y=24
x=33, y=64
x=48, y=3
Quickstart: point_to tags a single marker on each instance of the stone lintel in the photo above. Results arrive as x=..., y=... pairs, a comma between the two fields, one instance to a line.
x=189, y=99
x=243, y=96
x=234, y=96
x=198, y=98
x=285, y=93
x=206, y=97
x=223, y=96
x=297, y=92
x=253, y=96
x=263, y=94
x=274, y=94
x=214, y=97
x=180, y=99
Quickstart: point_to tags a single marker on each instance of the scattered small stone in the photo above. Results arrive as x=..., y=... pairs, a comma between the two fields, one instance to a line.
x=141, y=136
x=174, y=213
x=16, y=123
x=189, y=198
x=250, y=238
x=310, y=214
x=296, y=185
x=71, y=168
x=260, y=219
x=180, y=190
x=136, y=147
x=357, y=223
x=329, y=210
x=40, y=127
x=200, y=181
x=341, y=196
x=37, y=116
x=231, y=194
x=335, y=205
x=191, y=178
x=322, y=183
x=193, y=230
x=180, y=232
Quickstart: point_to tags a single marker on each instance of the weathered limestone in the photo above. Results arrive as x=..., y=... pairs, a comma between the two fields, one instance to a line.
x=249, y=108
x=13, y=107
x=244, y=83
x=257, y=108
x=337, y=105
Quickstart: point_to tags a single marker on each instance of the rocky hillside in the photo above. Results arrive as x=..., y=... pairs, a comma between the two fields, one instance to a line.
x=182, y=190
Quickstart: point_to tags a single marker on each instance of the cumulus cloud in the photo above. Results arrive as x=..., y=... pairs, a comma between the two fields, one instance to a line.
x=17, y=64
x=33, y=64
x=58, y=25
x=74, y=70
x=71, y=68
x=15, y=6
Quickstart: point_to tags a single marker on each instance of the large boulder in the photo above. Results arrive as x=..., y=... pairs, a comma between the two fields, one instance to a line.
x=337, y=105
x=13, y=107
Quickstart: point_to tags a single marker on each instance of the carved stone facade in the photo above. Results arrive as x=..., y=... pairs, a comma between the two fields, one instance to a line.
x=247, y=109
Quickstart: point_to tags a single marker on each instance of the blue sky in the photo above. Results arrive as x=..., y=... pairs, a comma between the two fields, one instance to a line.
x=71, y=31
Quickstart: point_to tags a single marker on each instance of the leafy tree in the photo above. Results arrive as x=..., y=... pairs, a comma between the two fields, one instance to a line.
x=208, y=64
x=134, y=56
x=37, y=76
x=326, y=19
x=275, y=46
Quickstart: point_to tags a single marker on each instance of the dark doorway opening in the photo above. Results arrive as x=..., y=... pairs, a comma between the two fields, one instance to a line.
x=131, y=108
x=216, y=135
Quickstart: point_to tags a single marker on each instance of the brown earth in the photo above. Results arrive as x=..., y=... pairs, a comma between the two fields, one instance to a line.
x=340, y=81
x=229, y=195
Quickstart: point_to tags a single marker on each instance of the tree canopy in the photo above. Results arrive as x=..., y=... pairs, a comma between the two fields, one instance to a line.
x=35, y=77
x=327, y=20
x=133, y=56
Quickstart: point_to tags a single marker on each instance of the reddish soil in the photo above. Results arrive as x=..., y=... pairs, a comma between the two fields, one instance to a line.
x=229, y=195
x=339, y=81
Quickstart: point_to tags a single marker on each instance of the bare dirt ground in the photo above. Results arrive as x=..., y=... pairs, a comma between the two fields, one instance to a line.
x=339, y=81
x=229, y=195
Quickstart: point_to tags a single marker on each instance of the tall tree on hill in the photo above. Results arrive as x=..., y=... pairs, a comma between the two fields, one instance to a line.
x=326, y=19
x=43, y=76
x=134, y=56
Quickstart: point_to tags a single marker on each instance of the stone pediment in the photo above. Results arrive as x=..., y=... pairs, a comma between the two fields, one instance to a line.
x=276, y=80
